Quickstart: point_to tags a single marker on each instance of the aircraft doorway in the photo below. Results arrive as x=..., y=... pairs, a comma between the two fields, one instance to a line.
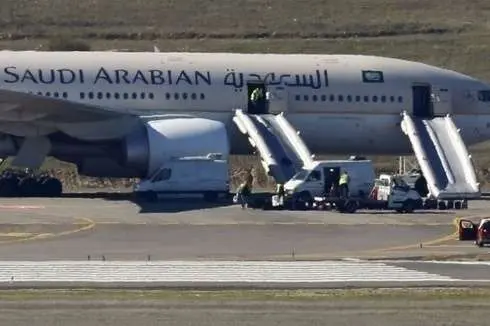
x=260, y=106
x=422, y=103
x=331, y=177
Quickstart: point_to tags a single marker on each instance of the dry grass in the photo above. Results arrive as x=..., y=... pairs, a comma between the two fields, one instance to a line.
x=454, y=34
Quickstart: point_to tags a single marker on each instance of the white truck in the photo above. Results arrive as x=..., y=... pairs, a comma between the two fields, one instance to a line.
x=317, y=179
x=187, y=177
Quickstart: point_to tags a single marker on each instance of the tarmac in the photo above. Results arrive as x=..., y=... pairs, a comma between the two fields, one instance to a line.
x=114, y=228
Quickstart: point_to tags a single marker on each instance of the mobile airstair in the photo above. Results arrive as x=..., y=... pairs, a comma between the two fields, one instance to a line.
x=442, y=157
x=282, y=151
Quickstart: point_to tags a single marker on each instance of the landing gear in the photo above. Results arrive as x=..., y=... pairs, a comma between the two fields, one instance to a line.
x=22, y=184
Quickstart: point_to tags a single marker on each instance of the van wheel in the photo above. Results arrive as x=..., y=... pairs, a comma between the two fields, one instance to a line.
x=210, y=196
x=479, y=243
x=408, y=206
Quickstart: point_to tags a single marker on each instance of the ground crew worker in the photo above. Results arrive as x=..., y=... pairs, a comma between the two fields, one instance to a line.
x=344, y=184
x=280, y=193
x=242, y=194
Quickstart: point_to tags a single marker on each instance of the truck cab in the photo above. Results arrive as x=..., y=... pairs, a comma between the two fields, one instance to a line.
x=396, y=193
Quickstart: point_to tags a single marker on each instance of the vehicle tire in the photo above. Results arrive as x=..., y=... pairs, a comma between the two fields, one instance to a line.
x=408, y=206
x=464, y=204
x=350, y=206
x=457, y=205
x=303, y=200
x=479, y=243
x=29, y=187
x=210, y=196
x=442, y=205
x=450, y=204
x=50, y=187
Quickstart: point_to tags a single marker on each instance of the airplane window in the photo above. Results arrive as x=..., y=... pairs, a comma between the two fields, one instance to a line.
x=484, y=96
x=194, y=96
x=167, y=96
x=324, y=98
x=315, y=98
x=341, y=98
x=383, y=98
x=90, y=95
x=134, y=96
x=126, y=96
x=100, y=95
x=116, y=96
x=108, y=95
x=151, y=96
x=305, y=97
x=400, y=99
x=202, y=96
x=392, y=98
x=176, y=96
x=375, y=98
x=358, y=98
x=349, y=98
x=48, y=94
x=56, y=94
x=366, y=98
x=142, y=95
x=332, y=98
x=184, y=96
x=297, y=97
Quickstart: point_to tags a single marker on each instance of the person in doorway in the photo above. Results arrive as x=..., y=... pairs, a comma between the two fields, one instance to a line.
x=257, y=98
x=344, y=184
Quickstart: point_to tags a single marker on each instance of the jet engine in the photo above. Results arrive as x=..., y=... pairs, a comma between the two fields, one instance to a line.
x=144, y=150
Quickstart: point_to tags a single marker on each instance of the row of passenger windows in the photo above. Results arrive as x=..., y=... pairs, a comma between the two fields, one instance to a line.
x=117, y=96
x=351, y=98
x=124, y=96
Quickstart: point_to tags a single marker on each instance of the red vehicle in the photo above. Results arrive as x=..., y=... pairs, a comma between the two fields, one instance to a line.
x=479, y=232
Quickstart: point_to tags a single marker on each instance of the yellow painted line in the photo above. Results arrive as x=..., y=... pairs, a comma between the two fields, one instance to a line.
x=89, y=224
x=16, y=234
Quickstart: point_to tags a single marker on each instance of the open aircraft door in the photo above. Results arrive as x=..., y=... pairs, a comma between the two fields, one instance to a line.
x=279, y=99
x=441, y=101
x=467, y=230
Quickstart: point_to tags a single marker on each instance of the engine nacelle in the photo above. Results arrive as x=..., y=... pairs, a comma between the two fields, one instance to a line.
x=158, y=140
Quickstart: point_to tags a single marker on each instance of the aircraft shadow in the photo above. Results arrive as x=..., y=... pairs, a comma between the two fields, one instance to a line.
x=161, y=206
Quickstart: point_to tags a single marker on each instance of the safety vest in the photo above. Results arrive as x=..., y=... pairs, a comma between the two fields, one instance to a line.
x=344, y=179
x=256, y=95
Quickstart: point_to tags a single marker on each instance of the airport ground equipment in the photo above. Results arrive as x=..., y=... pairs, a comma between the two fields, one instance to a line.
x=188, y=177
x=318, y=178
x=479, y=232
x=281, y=149
x=442, y=157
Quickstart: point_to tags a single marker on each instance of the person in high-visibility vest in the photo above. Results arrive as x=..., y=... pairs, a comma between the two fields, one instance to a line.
x=344, y=184
x=257, y=95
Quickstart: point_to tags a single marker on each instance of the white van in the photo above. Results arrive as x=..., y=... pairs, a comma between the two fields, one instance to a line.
x=195, y=176
x=316, y=180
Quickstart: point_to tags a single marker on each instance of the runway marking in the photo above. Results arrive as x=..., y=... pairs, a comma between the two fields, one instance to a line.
x=192, y=272
x=40, y=236
x=15, y=207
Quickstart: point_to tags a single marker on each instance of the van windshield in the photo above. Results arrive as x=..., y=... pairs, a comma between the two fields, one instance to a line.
x=301, y=175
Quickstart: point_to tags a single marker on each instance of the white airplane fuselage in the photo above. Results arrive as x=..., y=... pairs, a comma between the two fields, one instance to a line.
x=342, y=104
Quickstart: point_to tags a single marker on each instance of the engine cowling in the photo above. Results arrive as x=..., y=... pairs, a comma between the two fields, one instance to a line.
x=146, y=149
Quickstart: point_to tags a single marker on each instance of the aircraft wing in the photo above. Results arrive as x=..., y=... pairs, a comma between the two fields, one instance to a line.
x=29, y=115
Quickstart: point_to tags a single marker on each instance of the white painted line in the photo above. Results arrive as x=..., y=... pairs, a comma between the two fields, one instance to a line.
x=208, y=272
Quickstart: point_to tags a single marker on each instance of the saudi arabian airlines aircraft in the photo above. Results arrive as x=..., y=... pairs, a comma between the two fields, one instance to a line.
x=117, y=114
